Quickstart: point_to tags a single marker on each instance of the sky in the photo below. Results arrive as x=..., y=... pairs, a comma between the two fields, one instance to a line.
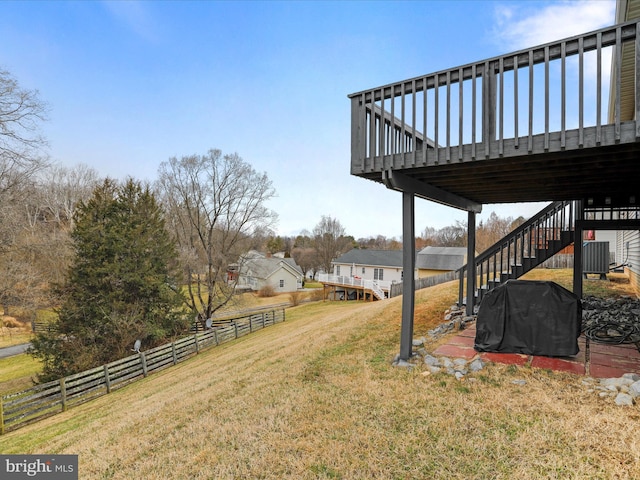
x=130, y=84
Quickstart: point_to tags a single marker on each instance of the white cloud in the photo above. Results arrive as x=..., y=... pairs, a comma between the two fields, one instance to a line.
x=524, y=25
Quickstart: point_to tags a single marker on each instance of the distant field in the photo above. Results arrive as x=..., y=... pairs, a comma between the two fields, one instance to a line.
x=17, y=373
x=317, y=397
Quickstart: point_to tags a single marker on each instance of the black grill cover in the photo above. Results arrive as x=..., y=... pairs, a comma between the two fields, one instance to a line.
x=530, y=317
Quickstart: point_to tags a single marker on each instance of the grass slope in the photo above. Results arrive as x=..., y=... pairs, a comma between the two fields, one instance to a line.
x=316, y=397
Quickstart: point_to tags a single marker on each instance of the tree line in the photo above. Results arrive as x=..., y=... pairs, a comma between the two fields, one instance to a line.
x=123, y=260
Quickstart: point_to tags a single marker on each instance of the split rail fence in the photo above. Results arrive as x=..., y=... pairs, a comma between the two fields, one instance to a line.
x=47, y=399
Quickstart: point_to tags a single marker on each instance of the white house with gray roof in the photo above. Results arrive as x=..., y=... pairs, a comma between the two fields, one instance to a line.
x=257, y=271
x=387, y=264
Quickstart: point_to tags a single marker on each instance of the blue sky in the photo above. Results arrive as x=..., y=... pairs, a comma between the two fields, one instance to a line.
x=130, y=84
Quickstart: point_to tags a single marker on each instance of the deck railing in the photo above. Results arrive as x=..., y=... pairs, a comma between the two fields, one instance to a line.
x=355, y=282
x=547, y=98
x=527, y=246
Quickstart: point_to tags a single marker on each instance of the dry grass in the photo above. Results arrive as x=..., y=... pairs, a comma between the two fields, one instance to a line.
x=13, y=331
x=316, y=397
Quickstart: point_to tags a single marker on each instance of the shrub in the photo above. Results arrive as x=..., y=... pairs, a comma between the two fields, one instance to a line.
x=316, y=295
x=295, y=298
x=267, y=291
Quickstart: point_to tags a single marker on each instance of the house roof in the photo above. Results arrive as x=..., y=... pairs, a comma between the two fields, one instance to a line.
x=262, y=267
x=377, y=258
x=441, y=258
x=429, y=258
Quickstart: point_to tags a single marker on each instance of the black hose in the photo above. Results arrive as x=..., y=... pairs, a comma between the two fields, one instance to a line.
x=600, y=333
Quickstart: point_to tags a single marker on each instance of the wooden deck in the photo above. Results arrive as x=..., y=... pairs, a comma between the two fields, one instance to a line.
x=527, y=126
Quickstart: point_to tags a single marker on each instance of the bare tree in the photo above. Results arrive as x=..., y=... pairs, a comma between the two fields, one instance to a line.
x=306, y=258
x=215, y=203
x=21, y=143
x=62, y=189
x=330, y=241
x=22, y=155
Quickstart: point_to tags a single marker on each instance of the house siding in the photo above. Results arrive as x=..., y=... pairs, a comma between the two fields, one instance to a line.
x=630, y=255
x=389, y=274
x=290, y=281
x=423, y=272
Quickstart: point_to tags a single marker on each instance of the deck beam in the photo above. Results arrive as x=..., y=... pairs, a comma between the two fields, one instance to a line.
x=400, y=182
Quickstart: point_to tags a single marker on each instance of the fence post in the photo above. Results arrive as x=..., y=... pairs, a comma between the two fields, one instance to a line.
x=107, y=380
x=63, y=394
x=235, y=326
x=143, y=362
x=215, y=335
x=173, y=352
x=1, y=417
x=195, y=339
x=250, y=324
x=263, y=320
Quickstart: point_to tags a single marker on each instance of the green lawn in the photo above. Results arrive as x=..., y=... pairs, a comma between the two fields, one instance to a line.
x=17, y=372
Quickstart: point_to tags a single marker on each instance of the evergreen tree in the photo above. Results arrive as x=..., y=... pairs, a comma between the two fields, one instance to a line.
x=119, y=287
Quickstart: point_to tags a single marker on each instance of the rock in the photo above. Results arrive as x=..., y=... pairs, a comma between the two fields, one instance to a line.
x=616, y=382
x=634, y=389
x=404, y=364
x=418, y=341
x=624, y=399
x=476, y=365
x=632, y=376
x=459, y=375
x=519, y=382
x=431, y=360
x=433, y=369
x=459, y=362
x=446, y=362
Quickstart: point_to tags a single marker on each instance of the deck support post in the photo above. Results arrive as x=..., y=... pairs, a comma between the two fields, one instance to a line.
x=408, y=279
x=577, y=249
x=471, y=261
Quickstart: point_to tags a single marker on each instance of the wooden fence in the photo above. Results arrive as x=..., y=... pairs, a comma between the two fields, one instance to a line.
x=396, y=288
x=21, y=408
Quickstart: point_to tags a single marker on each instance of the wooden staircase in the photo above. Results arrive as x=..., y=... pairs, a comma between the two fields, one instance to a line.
x=538, y=239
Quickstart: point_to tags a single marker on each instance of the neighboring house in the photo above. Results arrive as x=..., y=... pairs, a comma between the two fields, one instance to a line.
x=387, y=264
x=436, y=260
x=381, y=265
x=258, y=271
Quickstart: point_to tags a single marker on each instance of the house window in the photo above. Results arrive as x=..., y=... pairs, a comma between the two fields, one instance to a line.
x=402, y=275
x=378, y=273
x=351, y=271
x=338, y=270
x=281, y=283
x=363, y=270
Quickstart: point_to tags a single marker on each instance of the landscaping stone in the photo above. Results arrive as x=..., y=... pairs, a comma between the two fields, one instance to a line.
x=624, y=399
x=431, y=360
x=634, y=389
x=476, y=365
